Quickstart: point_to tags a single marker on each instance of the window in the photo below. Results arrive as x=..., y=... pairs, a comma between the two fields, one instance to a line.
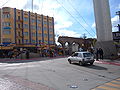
x=44, y=28
x=75, y=54
x=51, y=42
x=50, y=24
x=18, y=25
x=79, y=55
x=19, y=41
x=6, y=15
x=38, y=21
x=51, y=36
x=38, y=28
x=50, y=29
x=33, y=20
x=18, y=17
x=33, y=41
x=6, y=40
x=45, y=22
x=87, y=54
x=7, y=32
x=117, y=34
x=39, y=34
x=25, y=33
x=25, y=25
x=26, y=41
x=33, y=34
x=25, y=19
x=6, y=24
x=33, y=27
x=18, y=33
x=45, y=35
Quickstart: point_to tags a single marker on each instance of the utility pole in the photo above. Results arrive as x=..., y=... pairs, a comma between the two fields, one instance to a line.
x=32, y=5
x=1, y=18
x=84, y=36
x=118, y=13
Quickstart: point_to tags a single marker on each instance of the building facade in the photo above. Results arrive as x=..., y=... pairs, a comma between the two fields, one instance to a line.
x=25, y=29
x=116, y=38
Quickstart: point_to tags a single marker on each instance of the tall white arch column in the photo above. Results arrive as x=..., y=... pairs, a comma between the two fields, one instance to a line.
x=104, y=27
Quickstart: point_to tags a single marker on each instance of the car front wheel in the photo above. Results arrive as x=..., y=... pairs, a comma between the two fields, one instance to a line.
x=80, y=63
x=69, y=61
x=91, y=63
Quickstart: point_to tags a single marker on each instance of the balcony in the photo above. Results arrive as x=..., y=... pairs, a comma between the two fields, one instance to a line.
x=19, y=21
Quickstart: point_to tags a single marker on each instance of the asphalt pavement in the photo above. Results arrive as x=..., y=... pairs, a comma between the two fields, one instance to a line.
x=56, y=74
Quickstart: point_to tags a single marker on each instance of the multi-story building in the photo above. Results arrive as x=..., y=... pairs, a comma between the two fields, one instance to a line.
x=116, y=38
x=25, y=29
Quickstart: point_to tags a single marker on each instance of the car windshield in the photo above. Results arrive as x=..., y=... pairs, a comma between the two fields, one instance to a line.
x=87, y=54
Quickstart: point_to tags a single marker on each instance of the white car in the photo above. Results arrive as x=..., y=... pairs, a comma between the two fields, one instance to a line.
x=81, y=58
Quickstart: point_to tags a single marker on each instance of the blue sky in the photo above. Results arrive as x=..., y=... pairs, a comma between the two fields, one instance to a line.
x=72, y=17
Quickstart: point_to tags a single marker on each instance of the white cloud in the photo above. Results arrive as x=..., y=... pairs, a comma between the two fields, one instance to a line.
x=63, y=25
x=46, y=7
x=13, y=3
x=93, y=25
x=65, y=32
x=119, y=6
x=114, y=19
x=115, y=22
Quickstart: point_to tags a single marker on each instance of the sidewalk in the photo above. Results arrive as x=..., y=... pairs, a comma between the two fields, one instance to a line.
x=108, y=61
x=9, y=82
x=29, y=60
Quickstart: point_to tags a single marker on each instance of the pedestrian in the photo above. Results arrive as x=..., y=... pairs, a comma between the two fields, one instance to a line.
x=10, y=54
x=101, y=53
x=97, y=54
x=27, y=54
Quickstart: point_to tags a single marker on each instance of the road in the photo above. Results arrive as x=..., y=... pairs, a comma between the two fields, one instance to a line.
x=58, y=74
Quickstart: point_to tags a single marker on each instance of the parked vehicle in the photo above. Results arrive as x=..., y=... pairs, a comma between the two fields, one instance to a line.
x=81, y=58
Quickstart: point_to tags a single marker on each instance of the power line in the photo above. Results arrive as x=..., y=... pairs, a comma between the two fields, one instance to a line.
x=5, y=3
x=78, y=21
x=42, y=5
x=81, y=16
x=74, y=18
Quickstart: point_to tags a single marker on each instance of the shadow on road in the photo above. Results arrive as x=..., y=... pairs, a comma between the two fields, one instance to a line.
x=91, y=66
x=96, y=67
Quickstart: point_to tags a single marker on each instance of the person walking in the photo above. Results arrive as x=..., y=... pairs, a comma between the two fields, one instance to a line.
x=97, y=53
x=101, y=53
x=10, y=54
x=27, y=54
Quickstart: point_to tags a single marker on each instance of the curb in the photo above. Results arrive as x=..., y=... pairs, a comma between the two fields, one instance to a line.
x=109, y=62
x=31, y=59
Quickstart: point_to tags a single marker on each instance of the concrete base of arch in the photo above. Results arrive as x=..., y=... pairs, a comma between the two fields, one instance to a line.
x=108, y=47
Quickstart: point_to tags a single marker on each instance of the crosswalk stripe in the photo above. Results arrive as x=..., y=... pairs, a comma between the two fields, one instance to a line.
x=118, y=79
x=117, y=82
x=111, y=84
x=107, y=88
